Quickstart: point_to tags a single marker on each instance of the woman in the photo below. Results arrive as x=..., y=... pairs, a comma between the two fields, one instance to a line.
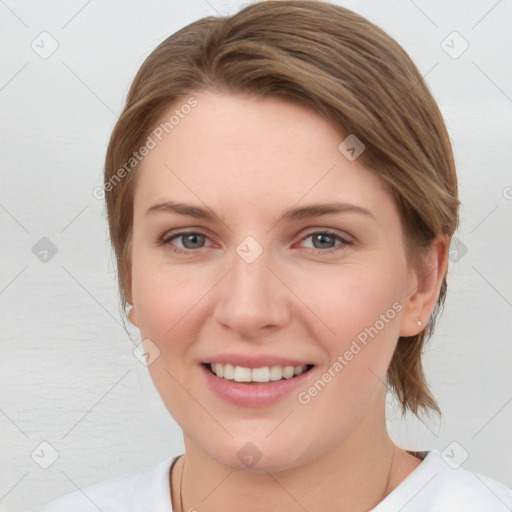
x=281, y=196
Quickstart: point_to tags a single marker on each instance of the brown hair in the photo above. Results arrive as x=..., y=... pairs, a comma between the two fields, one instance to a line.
x=349, y=71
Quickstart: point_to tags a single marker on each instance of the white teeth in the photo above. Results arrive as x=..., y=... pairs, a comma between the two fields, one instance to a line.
x=288, y=372
x=276, y=373
x=263, y=374
x=260, y=374
x=242, y=374
x=218, y=369
x=227, y=371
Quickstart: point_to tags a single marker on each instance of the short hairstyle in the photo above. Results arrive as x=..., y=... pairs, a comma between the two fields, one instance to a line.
x=332, y=60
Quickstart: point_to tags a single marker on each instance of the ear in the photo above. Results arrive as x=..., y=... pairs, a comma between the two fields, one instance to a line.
x=423, y=288
x=133, y=317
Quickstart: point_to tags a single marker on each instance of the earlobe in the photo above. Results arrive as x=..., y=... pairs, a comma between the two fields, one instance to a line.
x=132, y=316
x=424, y=288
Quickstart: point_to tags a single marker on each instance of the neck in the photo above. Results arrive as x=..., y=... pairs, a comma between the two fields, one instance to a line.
x=354, y=475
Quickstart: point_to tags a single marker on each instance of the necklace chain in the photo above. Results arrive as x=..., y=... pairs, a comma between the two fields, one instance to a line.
x=181, y=483
x=383, y=496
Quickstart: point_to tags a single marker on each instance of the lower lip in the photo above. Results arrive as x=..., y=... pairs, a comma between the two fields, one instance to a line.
x=252, y=394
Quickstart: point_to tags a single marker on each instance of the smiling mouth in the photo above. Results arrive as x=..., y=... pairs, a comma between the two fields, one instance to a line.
x=262, y=375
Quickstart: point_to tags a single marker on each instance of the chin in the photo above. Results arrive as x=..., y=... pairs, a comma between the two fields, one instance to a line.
x=259, y=455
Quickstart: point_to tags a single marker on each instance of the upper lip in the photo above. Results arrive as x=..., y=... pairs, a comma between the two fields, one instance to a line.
x=251, y=361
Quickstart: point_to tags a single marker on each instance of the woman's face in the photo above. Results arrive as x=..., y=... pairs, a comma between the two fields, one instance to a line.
x=265, y=280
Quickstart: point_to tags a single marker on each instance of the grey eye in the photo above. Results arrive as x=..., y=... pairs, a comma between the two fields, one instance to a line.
x=192, y=240
x=323, y=239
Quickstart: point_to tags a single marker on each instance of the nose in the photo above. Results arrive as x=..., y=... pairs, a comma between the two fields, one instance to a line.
x=253, y=299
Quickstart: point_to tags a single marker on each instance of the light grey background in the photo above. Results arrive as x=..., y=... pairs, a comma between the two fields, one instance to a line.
x=68, y=374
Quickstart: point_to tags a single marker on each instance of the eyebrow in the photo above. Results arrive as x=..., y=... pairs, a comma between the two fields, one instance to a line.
x=297, y=213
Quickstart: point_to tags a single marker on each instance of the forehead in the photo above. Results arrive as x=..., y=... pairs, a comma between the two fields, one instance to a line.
x=255, y=153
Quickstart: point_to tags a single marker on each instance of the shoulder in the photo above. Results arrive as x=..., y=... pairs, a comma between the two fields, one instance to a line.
x=435, y=486
x=141, y=490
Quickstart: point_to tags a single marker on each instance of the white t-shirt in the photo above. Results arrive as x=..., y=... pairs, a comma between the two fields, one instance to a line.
x=432, y=487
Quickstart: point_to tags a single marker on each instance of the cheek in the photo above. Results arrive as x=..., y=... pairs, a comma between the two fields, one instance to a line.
x=154, y=291
x=168, y=298
x=350, y=299
x=362, y=308
x=164, y=302
x=167, y=304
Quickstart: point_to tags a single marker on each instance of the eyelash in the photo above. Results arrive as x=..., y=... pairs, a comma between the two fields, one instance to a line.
x=168, y=237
